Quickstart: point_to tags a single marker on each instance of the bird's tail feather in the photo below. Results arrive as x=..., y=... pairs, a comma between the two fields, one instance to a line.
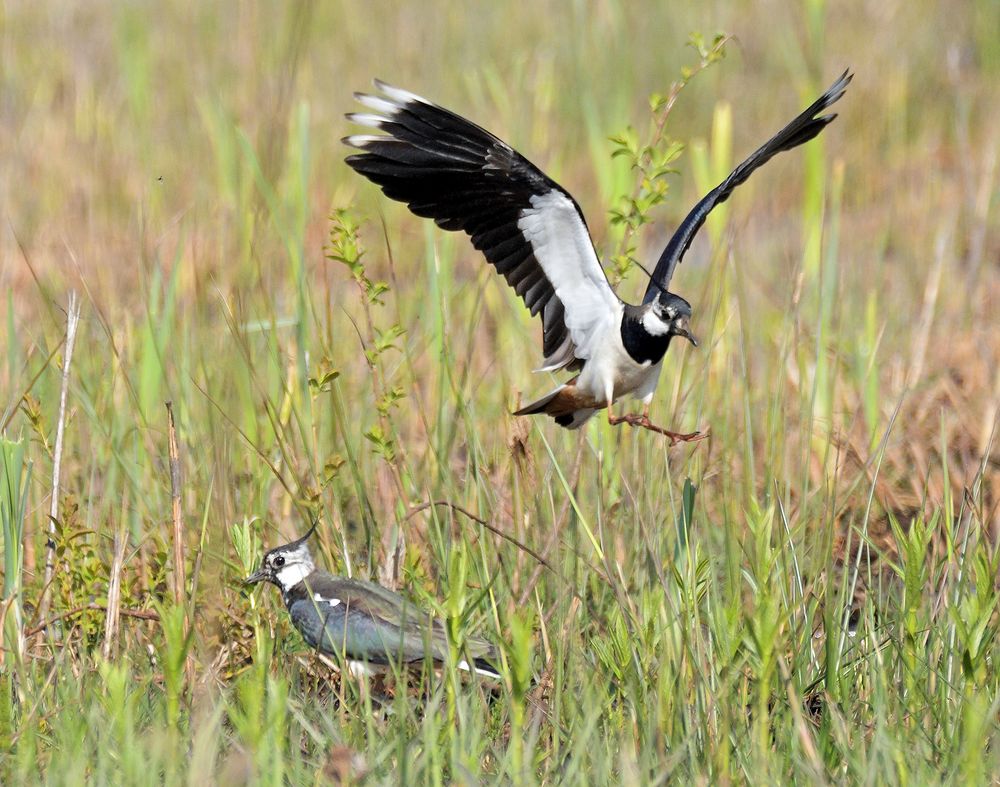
x=539, y=405
x=568, y=417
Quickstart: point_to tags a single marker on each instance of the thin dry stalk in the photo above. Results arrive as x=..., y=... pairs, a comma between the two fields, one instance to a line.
x=72, y=321
x=479, y=520
x=393, y=539
x=557, y=528
x=111, y=619
x=923, y=329
x=178, y=520
x=175, y=500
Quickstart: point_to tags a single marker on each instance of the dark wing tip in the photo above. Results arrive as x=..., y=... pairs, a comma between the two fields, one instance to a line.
x=806, y=126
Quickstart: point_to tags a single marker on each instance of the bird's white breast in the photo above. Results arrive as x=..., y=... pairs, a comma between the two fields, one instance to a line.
x=611, y=368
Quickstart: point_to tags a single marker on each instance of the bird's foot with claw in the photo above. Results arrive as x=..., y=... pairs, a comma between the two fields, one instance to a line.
x=634, y=419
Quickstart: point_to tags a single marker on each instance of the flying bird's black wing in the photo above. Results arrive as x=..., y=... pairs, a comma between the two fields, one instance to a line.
x=448, y=169
x=806, y=126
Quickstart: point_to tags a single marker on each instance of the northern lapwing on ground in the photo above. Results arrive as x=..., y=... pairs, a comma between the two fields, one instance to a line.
x=448, y=169
x=371, y=627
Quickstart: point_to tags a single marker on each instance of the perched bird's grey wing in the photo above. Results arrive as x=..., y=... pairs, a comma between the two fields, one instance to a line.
x=359, y=620
x=806, y=126
x=366, y=622
x=321, y=623
x=448, y=169
x=417, y=630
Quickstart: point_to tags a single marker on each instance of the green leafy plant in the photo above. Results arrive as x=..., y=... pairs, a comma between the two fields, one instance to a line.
x=345, y=247
x=652, y=156
x=15, y=477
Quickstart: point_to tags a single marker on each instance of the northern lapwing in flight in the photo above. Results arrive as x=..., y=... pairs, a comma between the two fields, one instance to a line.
x=369, y=626
x=448, y=169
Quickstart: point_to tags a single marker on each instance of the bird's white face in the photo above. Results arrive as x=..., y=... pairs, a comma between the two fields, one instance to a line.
x=672, y=317
x=653, y=321
x=285, y=566
x=298, y=565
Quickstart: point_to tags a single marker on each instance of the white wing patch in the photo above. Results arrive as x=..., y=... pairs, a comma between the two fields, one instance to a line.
x=332, y=602
x=563, y=248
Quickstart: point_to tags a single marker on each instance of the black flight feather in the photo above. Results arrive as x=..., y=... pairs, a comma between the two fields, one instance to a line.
x=806, y=126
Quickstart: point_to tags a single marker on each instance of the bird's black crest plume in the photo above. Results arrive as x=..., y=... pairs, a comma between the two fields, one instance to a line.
x=299, y=541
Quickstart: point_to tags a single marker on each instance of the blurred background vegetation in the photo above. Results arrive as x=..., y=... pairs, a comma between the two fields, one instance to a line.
x=809, y=594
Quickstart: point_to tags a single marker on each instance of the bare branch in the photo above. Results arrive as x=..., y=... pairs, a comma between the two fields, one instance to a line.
x=141, y=614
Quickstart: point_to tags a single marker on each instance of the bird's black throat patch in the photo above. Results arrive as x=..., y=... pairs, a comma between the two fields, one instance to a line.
x=640, y=344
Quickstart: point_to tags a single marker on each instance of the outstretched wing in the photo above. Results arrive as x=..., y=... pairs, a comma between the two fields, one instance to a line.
x=802, y=129
x=447, y=168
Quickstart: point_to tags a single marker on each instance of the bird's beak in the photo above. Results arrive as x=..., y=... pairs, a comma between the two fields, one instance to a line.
x=257, y=576
x=683, y=330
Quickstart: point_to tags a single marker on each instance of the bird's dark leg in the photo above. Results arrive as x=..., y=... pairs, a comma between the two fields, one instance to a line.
x=632, y=419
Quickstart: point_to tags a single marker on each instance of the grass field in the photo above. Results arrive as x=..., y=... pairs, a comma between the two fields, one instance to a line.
x=810, y=594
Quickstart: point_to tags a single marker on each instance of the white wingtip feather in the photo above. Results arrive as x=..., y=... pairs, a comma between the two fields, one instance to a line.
x=377, y=103
x=364, y=140
x=398, y=94
x=364, y=119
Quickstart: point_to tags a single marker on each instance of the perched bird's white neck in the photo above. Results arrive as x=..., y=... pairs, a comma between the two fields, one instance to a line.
x=289, y=576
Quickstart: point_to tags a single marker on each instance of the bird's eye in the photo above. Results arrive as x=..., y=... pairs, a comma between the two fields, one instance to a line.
x=279, y=561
